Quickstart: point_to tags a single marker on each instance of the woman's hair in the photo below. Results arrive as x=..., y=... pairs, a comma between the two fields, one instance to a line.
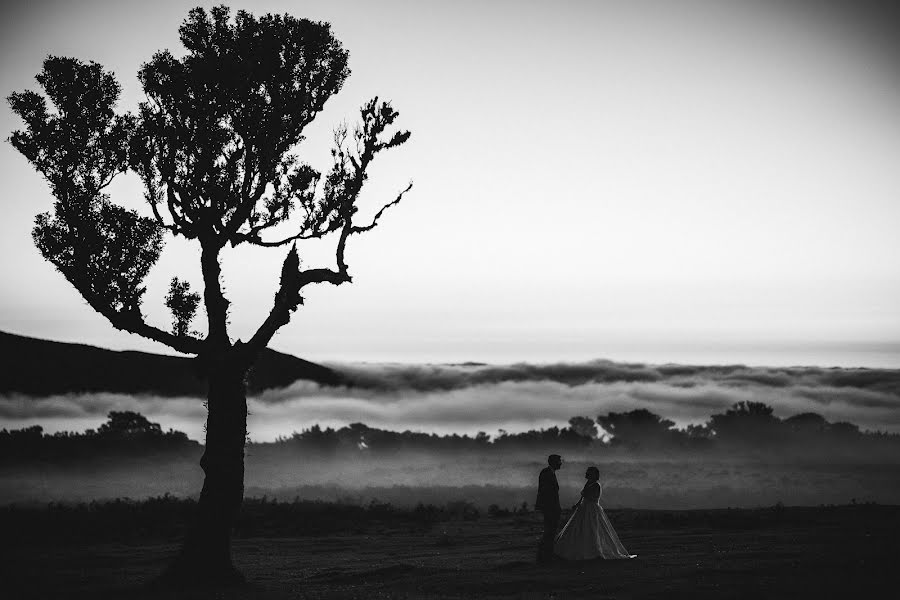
x=594, y=471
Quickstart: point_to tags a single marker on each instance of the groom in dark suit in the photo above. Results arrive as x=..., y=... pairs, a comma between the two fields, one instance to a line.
x=548, y=503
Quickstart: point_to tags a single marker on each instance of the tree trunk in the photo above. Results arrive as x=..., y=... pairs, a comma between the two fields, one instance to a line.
x=205, y=557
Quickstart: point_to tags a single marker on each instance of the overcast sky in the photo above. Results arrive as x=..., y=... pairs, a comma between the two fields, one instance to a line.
x=696, y=181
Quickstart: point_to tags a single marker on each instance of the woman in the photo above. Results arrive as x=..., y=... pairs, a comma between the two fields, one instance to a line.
x=588, y=533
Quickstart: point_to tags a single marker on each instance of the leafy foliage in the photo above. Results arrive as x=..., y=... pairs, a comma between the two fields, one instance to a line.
x=182, y=302
x=104, y=250
x=215, y=145
x=129, y=423
x=220, y=124
x=746, y=421
x=583, y=426
x=638, y=428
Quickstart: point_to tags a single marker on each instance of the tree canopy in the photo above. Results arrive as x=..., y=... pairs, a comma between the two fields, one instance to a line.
x=215, y=145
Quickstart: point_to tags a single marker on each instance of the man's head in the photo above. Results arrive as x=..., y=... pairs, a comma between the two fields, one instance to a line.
x=555, y=461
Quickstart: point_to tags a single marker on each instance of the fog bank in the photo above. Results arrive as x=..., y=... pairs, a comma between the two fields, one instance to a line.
x=472, y=398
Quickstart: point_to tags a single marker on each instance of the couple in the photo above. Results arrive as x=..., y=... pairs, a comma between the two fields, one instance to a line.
x=588, y=533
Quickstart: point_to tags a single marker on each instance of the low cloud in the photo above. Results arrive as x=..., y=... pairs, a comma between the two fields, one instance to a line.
x=444, y=377
x=472, y=398
x=447, y=377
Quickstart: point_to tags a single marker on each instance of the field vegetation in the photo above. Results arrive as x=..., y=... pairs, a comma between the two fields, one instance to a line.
x=304, y=549
x=744, y=457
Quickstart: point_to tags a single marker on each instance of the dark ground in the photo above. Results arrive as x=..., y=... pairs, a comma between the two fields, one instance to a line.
x=817, y=552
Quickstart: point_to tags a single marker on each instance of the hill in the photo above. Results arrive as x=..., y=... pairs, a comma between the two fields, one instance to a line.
x=42, y=367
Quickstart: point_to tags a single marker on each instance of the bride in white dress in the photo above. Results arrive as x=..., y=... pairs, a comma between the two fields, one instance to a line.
x=588, y=533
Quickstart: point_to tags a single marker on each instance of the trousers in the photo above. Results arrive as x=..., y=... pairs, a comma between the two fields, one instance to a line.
x=551, y=524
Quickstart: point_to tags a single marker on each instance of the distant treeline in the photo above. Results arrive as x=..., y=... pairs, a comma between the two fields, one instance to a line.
x=124, y=434
x=747, y=427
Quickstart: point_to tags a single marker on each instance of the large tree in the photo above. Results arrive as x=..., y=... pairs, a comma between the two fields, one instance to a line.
x=215, y=145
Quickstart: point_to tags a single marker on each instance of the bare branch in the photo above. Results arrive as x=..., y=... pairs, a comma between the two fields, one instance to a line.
x=253, y=236
x=358, y=229
x=288, y=297
x=342, y=187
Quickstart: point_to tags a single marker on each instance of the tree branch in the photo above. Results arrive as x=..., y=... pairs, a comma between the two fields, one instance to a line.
x=133, y=322
x=288, y=297
x=342, y=188
x=246, y=206
x=214, y=299
x=180, y=221
x=370, y=226
x=253, y=237
x=154, y=206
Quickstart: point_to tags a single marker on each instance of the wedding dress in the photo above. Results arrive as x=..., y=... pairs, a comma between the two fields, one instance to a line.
x=588, y=533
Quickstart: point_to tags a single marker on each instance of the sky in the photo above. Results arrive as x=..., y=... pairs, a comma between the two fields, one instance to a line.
x=707, y=181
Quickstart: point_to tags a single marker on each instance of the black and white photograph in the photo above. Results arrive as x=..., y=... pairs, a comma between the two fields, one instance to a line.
x=494, y=299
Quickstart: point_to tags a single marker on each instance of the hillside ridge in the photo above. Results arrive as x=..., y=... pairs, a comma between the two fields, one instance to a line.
x=41, y=367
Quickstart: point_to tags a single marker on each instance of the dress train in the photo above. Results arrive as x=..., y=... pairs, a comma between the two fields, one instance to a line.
x=588, y=533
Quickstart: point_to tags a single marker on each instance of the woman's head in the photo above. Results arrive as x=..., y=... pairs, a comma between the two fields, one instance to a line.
x=592, y=474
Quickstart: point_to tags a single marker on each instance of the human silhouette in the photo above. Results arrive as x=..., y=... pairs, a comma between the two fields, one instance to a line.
x=548, y=503
x=588, y=534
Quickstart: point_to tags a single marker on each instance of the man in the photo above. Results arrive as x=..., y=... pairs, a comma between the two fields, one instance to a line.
x=548, y=503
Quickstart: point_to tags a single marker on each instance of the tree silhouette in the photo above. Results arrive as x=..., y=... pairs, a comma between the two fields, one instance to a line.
x=639, y=429
x=128, y=423
x=807, y=423
x=584, y=426
x=747, y=423
x=214, y=144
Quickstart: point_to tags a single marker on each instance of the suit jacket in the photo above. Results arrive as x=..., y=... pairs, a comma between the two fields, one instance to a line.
x=548, y=492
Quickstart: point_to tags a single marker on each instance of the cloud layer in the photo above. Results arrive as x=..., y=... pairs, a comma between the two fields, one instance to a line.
x=471, y=398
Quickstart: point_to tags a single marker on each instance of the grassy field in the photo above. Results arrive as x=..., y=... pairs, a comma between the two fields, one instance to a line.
x=483, y=478
x=455, y=552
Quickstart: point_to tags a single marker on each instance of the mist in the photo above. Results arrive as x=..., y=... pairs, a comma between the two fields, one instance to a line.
x=507, y=479
x=469, y=398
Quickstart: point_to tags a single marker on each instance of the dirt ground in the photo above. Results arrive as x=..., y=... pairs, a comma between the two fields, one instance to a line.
x=824, y=552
